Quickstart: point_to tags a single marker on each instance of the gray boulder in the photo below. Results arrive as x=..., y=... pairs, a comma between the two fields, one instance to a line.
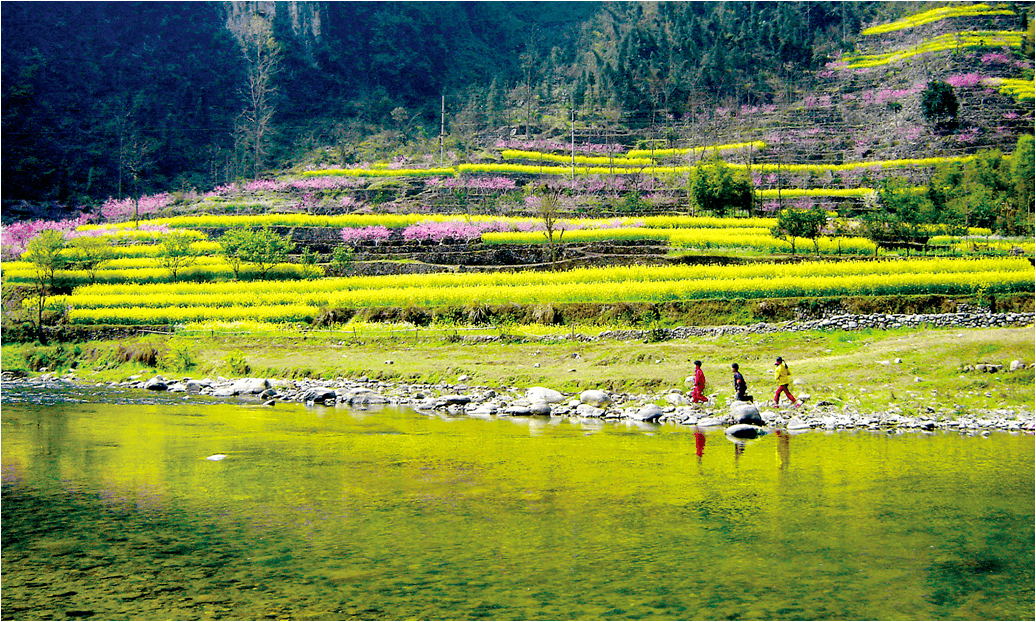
x=591, y=412
x=319, y=394
x=540, y=408
x=743, y=430
x=649, y=413
x=454, y=399
x=250, y=386
x=677, y=399
x=362, y=396
x=541, y=394
x=156, y=384
x=746, y=413
x=595, y=398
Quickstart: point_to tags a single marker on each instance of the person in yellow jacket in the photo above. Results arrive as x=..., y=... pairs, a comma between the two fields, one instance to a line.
x=782, y=376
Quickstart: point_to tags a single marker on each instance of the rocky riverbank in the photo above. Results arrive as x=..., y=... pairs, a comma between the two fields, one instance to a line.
x=673, y=407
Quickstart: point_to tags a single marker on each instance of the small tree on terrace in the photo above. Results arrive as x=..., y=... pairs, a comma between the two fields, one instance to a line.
x=263, y=248
x=1023, y=179
x=44, y=252
x=792, y=223
x=177, y=253
x=717, y=188
x=898, y=219
x=88, y=254
x=230, y=244
x=548, y=208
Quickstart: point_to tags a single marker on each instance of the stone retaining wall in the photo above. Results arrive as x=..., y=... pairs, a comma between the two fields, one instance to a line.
x=880, y=321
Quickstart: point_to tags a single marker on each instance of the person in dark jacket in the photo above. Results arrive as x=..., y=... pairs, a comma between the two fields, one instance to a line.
x=740, y=386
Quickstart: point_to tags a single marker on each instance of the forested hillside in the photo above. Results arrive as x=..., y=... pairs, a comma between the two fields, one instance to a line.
x=115, y=99
x=110, y=100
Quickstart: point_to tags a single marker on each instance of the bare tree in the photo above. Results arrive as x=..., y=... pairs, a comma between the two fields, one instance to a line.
x=137, y=156
x=253, y=128
x=549, y=210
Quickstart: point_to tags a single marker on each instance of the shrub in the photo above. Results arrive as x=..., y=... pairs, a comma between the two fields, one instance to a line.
x=939, y=105
x=180, y=356
x=237, y=363
x=143, y=353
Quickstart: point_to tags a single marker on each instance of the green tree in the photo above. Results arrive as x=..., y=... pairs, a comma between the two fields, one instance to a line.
x=899, y=217
x=45, y=253
x=1023, y=178
x=981, y=192
x=89, y=254
x=792, y=223
x=263, y=248
x=230, y=245
x=939, y=105
x=177, y=253
x=341, y=260
x=718, y=188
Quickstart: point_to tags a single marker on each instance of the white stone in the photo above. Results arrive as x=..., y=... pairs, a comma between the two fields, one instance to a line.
x=677, y=399
x=595, y=397
x=648, y=412
x=250, y=386
x=542, y=394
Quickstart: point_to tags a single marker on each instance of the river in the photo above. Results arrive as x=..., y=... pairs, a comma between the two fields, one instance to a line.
x=131, y=506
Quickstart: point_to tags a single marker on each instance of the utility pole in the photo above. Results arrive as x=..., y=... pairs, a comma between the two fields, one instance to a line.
x=573, y=117
x=442, y=130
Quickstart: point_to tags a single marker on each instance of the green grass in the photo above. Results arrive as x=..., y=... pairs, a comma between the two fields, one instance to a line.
x=854, y=369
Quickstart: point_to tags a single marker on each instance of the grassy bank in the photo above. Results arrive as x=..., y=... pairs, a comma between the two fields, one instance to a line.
x=854, y=369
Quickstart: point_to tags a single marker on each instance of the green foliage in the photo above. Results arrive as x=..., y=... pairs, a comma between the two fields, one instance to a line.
x=897, y=221
x=987, y=191
x=262, y=248
x=45, y=253
x=236, y=363
x=1022, y=179
x=341, y=260
x=54, y=358
x=88, y=254
x=793, y=224
x=632, y=203
x=939, y=105
x=719, y=188
x=180, y=356
x=177, y=253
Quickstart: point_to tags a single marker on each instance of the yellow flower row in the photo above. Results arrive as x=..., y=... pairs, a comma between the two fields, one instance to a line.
x=934, y=15
x=756, y=145
x=697, y=287
x=514, y=154
x=948, y=41
x=337, y=291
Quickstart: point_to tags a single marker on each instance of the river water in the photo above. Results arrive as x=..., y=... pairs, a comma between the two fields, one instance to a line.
x=125, y=506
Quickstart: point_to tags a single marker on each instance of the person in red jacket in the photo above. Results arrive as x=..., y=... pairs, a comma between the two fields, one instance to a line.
x=698, y=392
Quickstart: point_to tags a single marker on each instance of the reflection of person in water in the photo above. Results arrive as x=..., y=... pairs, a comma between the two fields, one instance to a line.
x=783, y=449
x=699, y=444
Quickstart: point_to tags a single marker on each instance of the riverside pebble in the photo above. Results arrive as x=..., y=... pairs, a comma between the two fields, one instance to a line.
x=589, y=405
